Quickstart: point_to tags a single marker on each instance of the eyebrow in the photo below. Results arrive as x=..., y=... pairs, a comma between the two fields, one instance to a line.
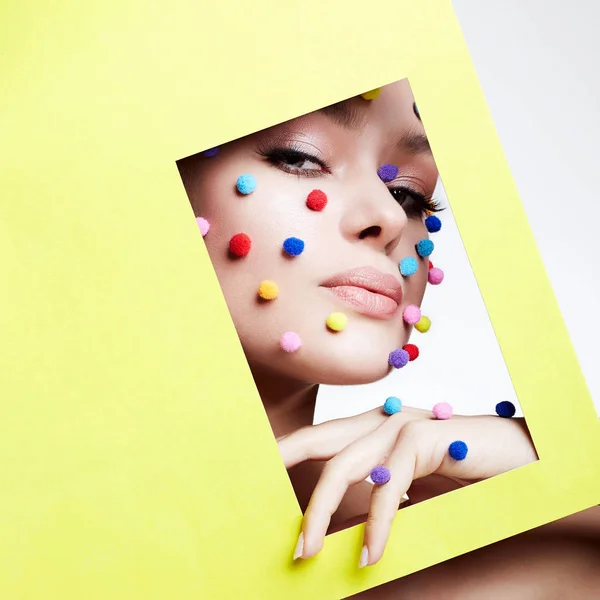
x=350, y=117
x=345, y=114
x=414, y=142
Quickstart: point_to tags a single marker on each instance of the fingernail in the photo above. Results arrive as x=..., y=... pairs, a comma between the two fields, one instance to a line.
x=364, y=558
x=299, y=547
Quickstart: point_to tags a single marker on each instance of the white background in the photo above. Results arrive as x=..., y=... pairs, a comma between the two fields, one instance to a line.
x=538, y=64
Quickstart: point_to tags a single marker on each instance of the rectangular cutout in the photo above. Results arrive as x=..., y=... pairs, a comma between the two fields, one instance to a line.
x=326, y=233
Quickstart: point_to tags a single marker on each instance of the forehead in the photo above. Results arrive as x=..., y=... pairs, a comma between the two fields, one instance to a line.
x=393, y=106
x=390, y=117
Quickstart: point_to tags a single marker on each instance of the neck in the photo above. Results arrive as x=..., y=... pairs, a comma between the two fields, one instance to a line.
x=289, y=404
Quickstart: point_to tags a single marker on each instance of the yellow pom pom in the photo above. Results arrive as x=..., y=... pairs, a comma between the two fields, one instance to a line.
x=372, y=94
x=337, y=321
x=268, y=290
x=423, y=325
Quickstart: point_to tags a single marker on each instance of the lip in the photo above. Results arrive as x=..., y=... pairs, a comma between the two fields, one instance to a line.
x=368, y=290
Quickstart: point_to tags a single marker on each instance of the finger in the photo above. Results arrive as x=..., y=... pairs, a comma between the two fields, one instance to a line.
x=352, y=465
x=323, y=441
x=385, y=499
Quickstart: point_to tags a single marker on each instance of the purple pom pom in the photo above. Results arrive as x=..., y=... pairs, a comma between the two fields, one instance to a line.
x=380, y=475
x=399, y=358
x=387, y=173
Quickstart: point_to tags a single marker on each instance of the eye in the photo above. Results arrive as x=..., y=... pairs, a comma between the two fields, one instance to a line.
x=301, y=163
x=295, y=162
x=413, y=203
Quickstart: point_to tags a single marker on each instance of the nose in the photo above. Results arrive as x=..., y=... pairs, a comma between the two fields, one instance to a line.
x=372, y=216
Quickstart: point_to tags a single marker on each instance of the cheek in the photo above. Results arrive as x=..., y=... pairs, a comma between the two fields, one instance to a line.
x=275, y=211
x=414, y=285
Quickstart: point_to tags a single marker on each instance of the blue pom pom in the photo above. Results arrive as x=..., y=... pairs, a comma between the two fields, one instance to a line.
x=458, y=450
x=433, y=224
x=246, y=184
x=408, y=266
x=293, y=246
x=425, y=248
x=505, y=409
x=392, y=405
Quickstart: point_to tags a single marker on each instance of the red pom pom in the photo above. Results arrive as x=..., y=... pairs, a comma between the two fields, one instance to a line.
x=239, y=245
x=413, y=351
x=317, y=200
x=430, y=265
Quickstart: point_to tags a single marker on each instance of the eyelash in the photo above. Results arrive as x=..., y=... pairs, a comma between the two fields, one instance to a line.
x=283, y=159
x=422, y=203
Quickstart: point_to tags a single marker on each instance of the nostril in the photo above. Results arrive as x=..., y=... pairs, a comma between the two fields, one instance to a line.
x=373, y=231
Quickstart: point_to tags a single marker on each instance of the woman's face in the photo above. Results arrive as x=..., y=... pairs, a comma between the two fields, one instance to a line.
x=367, y=228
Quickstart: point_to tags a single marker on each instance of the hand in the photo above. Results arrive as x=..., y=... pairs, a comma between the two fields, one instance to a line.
x=411, y=444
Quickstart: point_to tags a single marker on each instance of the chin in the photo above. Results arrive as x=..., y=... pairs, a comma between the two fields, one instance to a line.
x=355, y=356
x=358, y=370
x=341, y=367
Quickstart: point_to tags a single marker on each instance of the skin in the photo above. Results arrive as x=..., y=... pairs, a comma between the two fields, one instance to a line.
x=363, y=224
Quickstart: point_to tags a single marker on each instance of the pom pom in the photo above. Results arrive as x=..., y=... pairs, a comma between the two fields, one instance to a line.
x=380, y=475
x=430, y=265
x=408, y=266
x=293, y=246
x=423, y=324
x=433, y=224
x=240, y=244
x=337, y=321
x=372, y=94
x=211, y=152
x=412, y=314
x=392, y=405
x=204, y=225
x=268, y=290
x=425, y=248
x=399, y=358
x=246, y=184
x=387, y=173
x=413, y=351
x=316, y=200
x=290, y=342
x=436, y=276
x=458, y=450
x=505, y=409
x=442, y=411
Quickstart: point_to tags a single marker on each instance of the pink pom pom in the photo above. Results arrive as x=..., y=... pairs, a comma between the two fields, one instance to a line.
x=442, y=411
x=290, y=342
x=436, y=276
x=412, y=314
x=204, y=225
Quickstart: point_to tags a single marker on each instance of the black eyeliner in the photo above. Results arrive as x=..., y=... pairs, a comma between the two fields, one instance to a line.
x=281, y=153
